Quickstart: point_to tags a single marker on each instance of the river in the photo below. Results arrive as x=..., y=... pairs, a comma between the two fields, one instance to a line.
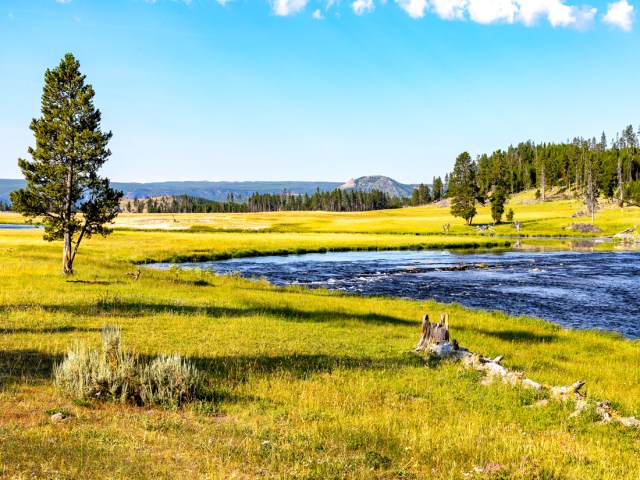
x=576, y=289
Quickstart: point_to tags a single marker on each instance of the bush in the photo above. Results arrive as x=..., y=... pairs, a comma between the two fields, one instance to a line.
x=168, y=381
x=112, y=374
x=510, y=215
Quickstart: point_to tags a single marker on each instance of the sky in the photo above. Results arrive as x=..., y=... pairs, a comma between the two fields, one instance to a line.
x=321, y=90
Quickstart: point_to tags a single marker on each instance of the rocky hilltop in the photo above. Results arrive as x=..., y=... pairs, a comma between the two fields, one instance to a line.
x=379, y=182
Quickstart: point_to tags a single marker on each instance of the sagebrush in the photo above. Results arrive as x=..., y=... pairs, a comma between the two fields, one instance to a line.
x=113, y=374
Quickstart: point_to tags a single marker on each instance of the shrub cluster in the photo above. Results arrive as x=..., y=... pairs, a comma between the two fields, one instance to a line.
x=113, y=374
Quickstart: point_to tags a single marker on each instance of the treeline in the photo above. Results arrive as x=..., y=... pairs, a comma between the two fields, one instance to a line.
x=589, y=168
x=5, y=206
x=422, y=195
x=183, y=204
x=610, y=169
x=333, y=201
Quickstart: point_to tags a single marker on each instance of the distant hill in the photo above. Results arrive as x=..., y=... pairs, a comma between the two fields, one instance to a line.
x=7, y=186
x=219, y=191
x=216, y=191
x=378, y=182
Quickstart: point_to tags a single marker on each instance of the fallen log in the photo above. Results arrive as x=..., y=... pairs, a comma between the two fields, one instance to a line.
x=435, y=342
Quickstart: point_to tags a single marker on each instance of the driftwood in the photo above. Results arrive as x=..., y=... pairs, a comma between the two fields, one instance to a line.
x=627, y=230
x=446, y=227
x=134, y=275
x=493, y=369
x=517, y=226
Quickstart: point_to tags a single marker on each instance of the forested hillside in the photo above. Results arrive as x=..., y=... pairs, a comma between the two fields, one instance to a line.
x=585, y=167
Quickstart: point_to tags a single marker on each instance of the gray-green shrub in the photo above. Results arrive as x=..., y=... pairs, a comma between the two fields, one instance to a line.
x=169, y=381
x=113, y=374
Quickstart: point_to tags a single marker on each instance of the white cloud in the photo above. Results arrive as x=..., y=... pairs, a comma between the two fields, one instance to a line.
x=317, y=14
x=330, y=3
x=223, y=2
x=11, y=17
x=415, y=8
x=362, y=6
x=288, y=7
x=620, y=14
x=449, y=9
x=557, y=12
x=491, y=11
x=63, y=1
x=585, y=15
x=528, y=12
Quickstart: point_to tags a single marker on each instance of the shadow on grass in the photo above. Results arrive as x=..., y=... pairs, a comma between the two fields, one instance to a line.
x=512, y=335
x=27, y=364
x=62, y=329
x=131, y=308
x=221, y=370
x=93, y=282
x=239, y=368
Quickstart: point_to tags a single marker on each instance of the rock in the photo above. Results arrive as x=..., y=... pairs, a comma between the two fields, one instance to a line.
x=584, y=228
x=58, y=417
x=627, y=237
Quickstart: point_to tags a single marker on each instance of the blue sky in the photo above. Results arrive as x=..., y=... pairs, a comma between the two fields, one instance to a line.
x=321, y=90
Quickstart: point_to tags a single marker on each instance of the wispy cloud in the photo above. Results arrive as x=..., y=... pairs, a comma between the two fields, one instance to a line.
x=288, y=7
x=527, y=12
x=449, y=9
x=63, y=1
x=11, y=17
x=362, y=6
x=414, y=8
x=317, y=14
x=620, y=14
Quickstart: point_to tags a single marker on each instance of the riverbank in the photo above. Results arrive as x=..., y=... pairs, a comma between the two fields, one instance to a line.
x=308, y=384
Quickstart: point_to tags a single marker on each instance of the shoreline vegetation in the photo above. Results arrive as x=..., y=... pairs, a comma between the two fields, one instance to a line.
x=305, y=384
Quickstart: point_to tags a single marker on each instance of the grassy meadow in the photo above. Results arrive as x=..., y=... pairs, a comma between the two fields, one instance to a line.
x=538, y=219
x=301, y=384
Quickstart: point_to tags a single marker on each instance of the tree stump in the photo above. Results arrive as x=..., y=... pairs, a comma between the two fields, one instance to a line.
x=433, y=333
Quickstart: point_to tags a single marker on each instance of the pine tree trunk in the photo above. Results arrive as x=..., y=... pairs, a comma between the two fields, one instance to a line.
x=67, y=254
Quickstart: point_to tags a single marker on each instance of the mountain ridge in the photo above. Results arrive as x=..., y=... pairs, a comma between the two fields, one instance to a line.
x=219, y=191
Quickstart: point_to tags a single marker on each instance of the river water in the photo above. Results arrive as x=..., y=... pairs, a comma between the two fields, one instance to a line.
x=18, y=226
x=596, y=290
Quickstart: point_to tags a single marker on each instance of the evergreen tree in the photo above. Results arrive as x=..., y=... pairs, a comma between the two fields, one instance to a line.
x=497, y=204
x=463, y=188
x=63, y=185
x=437, y=189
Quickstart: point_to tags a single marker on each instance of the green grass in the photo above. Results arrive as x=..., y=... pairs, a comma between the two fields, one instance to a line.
x=303, y=384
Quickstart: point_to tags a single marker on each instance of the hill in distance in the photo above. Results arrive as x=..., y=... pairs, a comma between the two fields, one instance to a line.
x=379, y=182
x=219, y=191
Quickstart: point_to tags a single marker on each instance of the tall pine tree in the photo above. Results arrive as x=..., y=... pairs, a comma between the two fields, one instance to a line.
x=63, y=185
x=463, y=188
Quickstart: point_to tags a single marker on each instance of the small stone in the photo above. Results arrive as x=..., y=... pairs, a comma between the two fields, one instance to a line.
x=58, y=417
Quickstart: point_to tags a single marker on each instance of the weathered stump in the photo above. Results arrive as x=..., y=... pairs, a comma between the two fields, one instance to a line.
x=433, y=333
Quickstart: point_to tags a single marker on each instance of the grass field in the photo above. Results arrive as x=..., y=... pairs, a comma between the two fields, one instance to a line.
x=304, y=384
